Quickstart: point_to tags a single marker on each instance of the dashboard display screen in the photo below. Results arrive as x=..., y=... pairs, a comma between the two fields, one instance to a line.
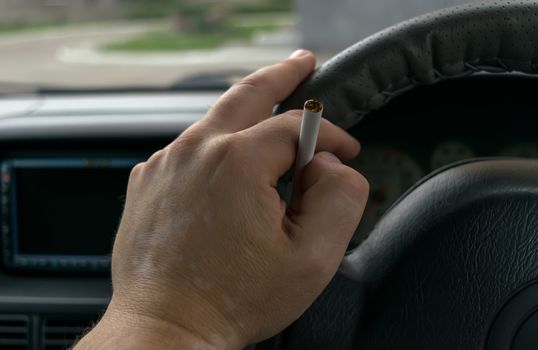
x=64, y=213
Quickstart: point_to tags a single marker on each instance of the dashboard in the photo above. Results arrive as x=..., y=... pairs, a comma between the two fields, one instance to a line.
x=429, y=128
x=53, y=150
x=49, y=306
x=392, y=171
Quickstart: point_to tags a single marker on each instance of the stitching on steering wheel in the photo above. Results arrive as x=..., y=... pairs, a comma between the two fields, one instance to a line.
x=388, y=93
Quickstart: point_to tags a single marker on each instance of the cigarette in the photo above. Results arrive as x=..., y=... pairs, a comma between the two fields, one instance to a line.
x=312, y=112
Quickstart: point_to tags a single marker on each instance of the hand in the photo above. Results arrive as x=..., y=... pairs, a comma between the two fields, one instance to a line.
x=206, y=250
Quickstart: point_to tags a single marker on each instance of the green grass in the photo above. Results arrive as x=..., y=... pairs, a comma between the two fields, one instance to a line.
x=21, y=26
x=264, y=7
x=177, y=41
x=163, y=8
x=166, y=41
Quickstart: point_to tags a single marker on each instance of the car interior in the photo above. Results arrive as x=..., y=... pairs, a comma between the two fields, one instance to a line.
x=446, y=254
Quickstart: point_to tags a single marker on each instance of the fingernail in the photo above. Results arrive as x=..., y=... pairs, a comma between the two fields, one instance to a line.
x=299, y=53
x=329, y=157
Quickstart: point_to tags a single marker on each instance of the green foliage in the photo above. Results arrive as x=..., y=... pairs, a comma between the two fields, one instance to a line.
x=166, y=41
x=24, y=26
x=196, y=25
x=177, y=41
x=163, y=8
x=264, y=7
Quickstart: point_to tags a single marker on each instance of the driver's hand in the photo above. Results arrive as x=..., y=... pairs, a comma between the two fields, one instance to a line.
x=206, y=252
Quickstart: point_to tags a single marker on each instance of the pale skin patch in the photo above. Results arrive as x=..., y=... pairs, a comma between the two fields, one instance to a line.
x=229, y=304
x=202, y=284
x=192, y=267
x=248, y=253
x=207, y=219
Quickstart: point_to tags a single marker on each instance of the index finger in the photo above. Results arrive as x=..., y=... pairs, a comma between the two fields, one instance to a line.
x=252, y=99
x=274, y=142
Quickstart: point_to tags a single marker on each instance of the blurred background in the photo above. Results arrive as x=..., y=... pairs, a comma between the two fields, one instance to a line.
x=98, y=44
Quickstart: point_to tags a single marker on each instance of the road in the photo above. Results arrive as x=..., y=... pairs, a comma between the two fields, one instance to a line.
x=70, y=57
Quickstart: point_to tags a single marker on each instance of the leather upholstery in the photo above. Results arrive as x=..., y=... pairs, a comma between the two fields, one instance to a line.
x=492, y=36
x=446, y=258
x=438, y=268
x=331, y=322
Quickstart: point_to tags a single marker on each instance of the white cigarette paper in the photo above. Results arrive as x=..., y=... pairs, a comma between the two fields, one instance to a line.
x=312, y=112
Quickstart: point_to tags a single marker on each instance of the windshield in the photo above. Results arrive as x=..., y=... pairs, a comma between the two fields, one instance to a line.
x=103, y=44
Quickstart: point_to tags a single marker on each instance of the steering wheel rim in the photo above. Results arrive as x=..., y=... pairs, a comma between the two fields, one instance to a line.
x=496, y=37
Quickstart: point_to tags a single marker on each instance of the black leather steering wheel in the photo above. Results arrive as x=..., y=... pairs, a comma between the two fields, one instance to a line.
x=454, y=264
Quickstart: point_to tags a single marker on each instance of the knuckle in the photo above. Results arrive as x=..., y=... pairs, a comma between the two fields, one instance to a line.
x=253, y=83
x=295, y=117
x=350, y=182
x=316, y=167
x=294, y=114
x=326, y=123
x=230, y=147
x=264, y=79
x=155, y=157
x=289, y=121
x=362, y=182
x=232, y=156
x=187, y=141
x=358, y=193
x=356, y=183
x=137, y=170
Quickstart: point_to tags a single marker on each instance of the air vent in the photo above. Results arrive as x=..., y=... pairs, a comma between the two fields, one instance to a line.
x=60, y=332
x=14, y=332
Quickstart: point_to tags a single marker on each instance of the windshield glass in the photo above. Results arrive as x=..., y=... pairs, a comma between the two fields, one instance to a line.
x=94, y=44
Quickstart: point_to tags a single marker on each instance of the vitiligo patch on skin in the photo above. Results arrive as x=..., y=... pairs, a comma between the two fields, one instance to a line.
x=229, y=304
x=191, y=267
x=207, y=219
x=202, y=284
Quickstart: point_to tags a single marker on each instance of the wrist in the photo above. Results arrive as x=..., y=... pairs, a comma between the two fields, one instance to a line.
x=120, y=330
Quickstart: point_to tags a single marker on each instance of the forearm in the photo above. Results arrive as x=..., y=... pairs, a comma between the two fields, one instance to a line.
x=126, y=332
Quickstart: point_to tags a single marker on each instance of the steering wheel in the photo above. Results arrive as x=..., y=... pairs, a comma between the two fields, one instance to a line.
x=454, y=263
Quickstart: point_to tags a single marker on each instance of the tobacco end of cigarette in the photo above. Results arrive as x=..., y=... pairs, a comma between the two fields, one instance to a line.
x=313, y=106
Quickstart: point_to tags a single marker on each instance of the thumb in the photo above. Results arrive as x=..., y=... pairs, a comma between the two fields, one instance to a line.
x=333, y=197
